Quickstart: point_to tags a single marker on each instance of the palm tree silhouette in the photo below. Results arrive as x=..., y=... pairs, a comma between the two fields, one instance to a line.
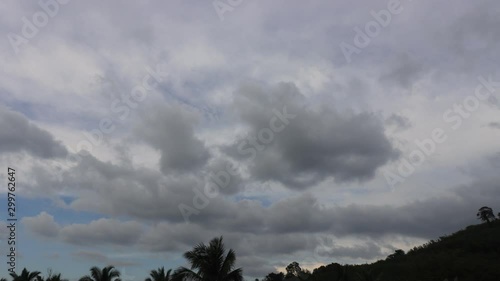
x=159, y=275
x=209, y=263
x=109, y=273
x=55, y=277
x=25, y=275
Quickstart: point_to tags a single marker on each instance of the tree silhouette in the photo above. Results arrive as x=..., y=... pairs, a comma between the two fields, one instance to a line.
x=26, y=275
x=53, y=277
x=295, y=272
x=109, y=273
x=209, y=263
x=293, y=269
x=397, y=253
x=159, y=275
x=274, y=276
x=485, y=214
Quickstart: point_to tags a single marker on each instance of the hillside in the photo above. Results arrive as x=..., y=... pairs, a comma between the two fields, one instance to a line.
x=471, y=254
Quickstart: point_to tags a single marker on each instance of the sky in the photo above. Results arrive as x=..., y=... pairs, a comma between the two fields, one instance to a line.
x=317, y=132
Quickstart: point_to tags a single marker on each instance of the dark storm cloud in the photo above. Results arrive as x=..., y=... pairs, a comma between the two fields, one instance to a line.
x=170, y=129
x=17, y=134
x=219, y=166
x=316, y=144
x=146, y=194
x=400, y=122
x=253, y=230
x=143, y=193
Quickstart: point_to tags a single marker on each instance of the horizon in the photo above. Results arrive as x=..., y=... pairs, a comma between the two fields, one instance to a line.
x=312, y=132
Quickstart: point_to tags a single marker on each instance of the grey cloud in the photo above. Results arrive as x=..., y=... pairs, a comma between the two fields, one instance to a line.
x=18, y=134
x=494, y=125
x=98, y=232
x=284, y=228
x=366, y=251
x=43, y=224
x=89, y=255
x=255, y=266
x=475, y=34
x=112, y=189
x=158, y=199
x=102, y=231
x=318, y=144
x=101, y=258
x=225, y=175
x=314, y=145
x=152, y=196
x=400, y=122
x=404, y=71
x=299, y=214
x=170, y=129
x=174, y=237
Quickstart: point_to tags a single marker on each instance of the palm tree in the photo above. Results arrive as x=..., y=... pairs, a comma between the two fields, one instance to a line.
x=485, y=214
x=25, y=275
x=55, y=277
x=159, y=275
x=210, y=263
x=109, y=273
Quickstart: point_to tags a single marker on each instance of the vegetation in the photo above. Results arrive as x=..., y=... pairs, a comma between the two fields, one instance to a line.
x=210, y=263
x=26, y=276
x=485, y=214
x=159, y=275
x=109, y=273
x=471, y=254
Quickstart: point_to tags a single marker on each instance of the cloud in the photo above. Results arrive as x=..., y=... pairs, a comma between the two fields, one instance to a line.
x=102, y=231
x=400, y=122
x=316, y=144
x=320, y=175
x=97, y=232
x=404, y=71
x=170, y=129
x=494, y=125
x=17, y=134
x=43, y=224
x=101, y=258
